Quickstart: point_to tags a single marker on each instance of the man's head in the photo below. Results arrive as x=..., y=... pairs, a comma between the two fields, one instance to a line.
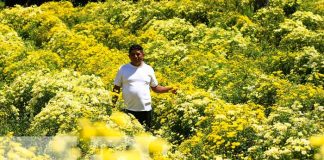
x=136, y=54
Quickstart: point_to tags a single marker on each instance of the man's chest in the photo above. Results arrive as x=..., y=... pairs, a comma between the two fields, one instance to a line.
x=137, y=76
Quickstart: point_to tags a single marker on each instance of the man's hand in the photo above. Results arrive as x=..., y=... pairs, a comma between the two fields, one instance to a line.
x=116, y=90
x=173, y=90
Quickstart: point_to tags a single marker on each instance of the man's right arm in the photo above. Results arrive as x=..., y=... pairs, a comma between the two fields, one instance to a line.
x=116, y=90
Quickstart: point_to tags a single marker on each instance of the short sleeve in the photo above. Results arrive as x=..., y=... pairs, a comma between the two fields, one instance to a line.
x=118, y=78
x=154, y=81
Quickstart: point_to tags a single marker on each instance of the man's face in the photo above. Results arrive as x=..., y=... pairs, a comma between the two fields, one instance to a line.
x=136, y=57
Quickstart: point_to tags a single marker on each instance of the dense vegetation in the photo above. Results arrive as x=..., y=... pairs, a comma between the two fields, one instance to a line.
x=250, y=80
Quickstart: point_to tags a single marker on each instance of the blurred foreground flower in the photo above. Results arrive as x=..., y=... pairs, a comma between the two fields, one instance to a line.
x=318, y=141
x=99, y=129
x=107, y=154
x=12, y=150
x=152, y=145
x=158, y=146
x=64, y=147
x=87, y=130
x=120, y=118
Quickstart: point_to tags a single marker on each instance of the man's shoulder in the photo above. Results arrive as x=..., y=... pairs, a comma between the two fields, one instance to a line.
x=147, y=66
x=125, y=66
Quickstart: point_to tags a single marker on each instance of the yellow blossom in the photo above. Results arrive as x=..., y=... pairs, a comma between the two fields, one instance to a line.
x=103, y=130
x=87, y=129
x=317, y=140
x=119, y=118
x=231, y=134
x=108, y=154
x=158, y=146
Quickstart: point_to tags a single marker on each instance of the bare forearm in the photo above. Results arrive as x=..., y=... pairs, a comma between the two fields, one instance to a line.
x=161, y=89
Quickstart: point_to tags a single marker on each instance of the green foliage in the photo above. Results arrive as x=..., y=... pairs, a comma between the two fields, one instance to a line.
x=233, y=81
x=310, y=20
x=269, y=20
x=304, y=66
x=192, y=11
x=176, y=118
x=315, y=6
x=2, y=4
x=300, y=37
x=308, y=67
x=265, y=91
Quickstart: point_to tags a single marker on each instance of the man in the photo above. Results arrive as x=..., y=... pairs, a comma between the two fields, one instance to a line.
x=136, y=78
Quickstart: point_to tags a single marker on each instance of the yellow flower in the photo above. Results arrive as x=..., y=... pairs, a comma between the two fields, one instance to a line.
x=58, y=145
x=158, y=146
x=240, y=128
x=317, y=140
x=108, y=154
x=87, y=130
x=74, y=153
x=231, y=134
x=143, y=140
x=119, y=118
x=235, y=144
x=103, y=130
x=129, y=155
x=220, y=142
x=61, y=144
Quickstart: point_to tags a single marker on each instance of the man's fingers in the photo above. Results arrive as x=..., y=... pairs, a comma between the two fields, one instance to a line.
x=174, y=91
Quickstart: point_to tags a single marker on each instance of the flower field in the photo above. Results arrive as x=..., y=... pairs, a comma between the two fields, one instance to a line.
x=249, y=80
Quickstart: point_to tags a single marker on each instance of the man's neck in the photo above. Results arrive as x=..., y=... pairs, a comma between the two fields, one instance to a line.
x=137, y=65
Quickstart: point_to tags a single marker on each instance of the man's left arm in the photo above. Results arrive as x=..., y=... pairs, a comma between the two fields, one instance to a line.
x=162, y=89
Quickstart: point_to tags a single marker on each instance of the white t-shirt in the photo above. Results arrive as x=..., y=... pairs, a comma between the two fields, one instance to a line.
x=135, y=83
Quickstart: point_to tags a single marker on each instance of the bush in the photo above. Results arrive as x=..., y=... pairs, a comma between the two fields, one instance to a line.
x=173, y=29
x=63, y=10
x=310, y=20
x=176, y=117
x=298, y=38
x=31, y=23
x=225, y=131
x=11, y=47
x=269, y=20
x=35, y=60
x=308, y=67
x=284, y=134
x=36, y=93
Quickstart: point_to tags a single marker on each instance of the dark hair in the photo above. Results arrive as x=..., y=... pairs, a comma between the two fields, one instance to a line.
x=135, y=47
